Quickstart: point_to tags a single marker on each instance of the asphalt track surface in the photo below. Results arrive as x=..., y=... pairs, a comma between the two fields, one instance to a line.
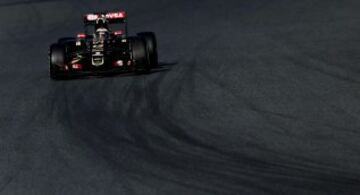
x=252, y=97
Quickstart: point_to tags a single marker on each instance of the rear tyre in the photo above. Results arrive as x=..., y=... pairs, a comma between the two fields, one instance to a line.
x=151, y=46
x=68, y=43
x=57, y=59
x=140, y=56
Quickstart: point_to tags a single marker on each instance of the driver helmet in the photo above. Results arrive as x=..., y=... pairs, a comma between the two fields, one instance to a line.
x=102, y=24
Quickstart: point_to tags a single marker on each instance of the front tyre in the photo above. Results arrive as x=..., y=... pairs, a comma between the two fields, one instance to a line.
x=151, y=46
x=57, y=59
x=140, y=55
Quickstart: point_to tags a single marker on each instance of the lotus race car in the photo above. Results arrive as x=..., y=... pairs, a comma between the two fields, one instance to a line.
x=99, y=50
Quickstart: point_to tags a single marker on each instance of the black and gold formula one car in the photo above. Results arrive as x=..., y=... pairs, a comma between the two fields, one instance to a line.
x=100, y=50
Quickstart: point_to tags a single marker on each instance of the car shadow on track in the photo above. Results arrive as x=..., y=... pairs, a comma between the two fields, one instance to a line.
x=161, y=67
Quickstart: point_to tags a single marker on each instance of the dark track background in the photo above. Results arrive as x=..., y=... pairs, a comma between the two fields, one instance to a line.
x=253, y=97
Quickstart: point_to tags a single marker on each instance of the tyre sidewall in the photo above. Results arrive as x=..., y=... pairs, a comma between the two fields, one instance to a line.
x=151, y=45
x=56, y=59
x=140, y=55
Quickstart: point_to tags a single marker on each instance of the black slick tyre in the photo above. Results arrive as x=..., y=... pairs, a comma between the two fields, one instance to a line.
x=57, y=59
x=140, y=55
x=151, y=46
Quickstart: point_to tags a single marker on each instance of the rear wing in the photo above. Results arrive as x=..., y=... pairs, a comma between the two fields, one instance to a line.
x=112, y=17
